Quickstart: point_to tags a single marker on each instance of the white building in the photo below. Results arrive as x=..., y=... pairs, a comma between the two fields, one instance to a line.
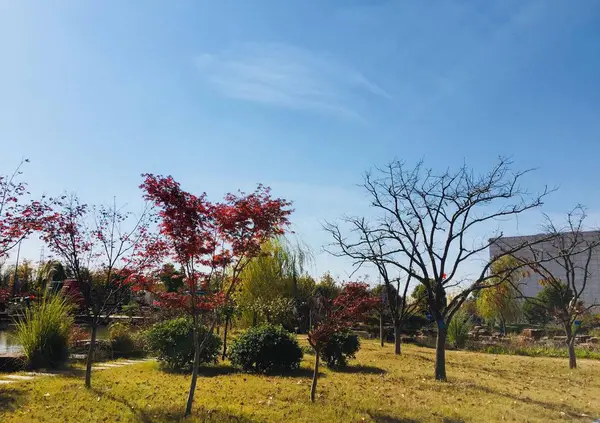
x=531, y=286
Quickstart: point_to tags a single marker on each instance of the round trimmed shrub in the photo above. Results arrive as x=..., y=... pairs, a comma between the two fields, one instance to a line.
x=173, y=343
x=124, y=340
x=341, y=347
x=266, y=349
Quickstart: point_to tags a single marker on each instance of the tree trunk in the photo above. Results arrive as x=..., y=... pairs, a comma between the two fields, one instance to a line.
x=254, y=319
x=225, y=338
x=503, y=325
x=572, y=357
x=313, y=388
x=381, y=340
x=397, y=339
x=190, y=401
x=90, y=355
x=440, y=352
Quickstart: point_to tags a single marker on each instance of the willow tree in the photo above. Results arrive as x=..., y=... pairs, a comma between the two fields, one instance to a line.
x=428, y=226
x=270, y=283
x=48, y=272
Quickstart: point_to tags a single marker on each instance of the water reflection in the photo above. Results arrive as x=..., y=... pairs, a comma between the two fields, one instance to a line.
x=8, y=343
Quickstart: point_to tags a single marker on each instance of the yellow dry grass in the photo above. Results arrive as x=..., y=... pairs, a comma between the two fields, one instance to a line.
x=378, y=387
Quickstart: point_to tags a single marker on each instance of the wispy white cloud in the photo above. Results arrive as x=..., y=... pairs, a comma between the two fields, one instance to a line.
x=292, y=77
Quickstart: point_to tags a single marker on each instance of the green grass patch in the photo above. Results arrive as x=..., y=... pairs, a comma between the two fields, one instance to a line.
x=542, y=351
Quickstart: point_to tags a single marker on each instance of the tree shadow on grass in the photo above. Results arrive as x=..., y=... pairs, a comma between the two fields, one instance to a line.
x=564, y=408
x=217, y=370
x=11, y=398
x=386, y=418
x=362, y=369
x=300, y=372
x=421, y=357
x=71, y=373
x=203, y=371
x=174, y=413
x=225, y=370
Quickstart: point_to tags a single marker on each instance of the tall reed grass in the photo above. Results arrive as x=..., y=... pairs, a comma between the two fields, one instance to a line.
x=43, y=332
x=458, y=329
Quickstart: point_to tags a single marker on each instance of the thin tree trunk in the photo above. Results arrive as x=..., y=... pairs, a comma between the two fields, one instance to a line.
x=572, y=357
x=90, y=355
x=381, y=329
x=440, y=352
x=190, y=401
x=503, y=325
x=313, y=388
x=397, y=339
x=225, y=338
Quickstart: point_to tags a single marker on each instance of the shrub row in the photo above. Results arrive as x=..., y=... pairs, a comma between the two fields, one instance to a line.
x=47, y=332
x=261, y=349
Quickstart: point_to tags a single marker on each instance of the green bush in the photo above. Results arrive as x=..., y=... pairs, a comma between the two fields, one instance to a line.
x=125, y=341
x=131, y=309
x=339, y=349
x=265, y=349
x=458, y=329
x=172, y=341
x=43, y=332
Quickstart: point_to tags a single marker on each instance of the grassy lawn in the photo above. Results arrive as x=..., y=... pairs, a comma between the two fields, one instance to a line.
x=378, y=387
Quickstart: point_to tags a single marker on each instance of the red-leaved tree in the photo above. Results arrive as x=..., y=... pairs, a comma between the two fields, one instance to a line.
x=212, y=242
x=18, y=218
x=347, y=309
x=98, y=244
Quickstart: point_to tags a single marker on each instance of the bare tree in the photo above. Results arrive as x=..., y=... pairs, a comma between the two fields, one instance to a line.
x=98, y=250
x=428, y=226
x=372, y=250
x=564, y=263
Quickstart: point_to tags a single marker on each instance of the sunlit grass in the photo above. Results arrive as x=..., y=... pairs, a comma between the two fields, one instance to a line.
x=378, y=387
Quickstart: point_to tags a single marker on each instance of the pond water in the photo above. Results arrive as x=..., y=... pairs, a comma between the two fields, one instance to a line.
x=9, y=344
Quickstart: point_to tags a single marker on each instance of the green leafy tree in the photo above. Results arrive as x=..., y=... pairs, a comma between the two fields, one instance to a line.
x=171, y=278
x=500, y=301
x=22, y=277
x=305, y=290
x=272, y=282
x=327, y=287
x=325, y=291
x=539, y=310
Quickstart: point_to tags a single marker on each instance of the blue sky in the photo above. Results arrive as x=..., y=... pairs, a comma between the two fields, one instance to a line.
x=303, y=96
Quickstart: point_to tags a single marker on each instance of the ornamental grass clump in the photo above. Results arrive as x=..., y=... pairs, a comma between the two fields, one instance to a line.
x=43, y=332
